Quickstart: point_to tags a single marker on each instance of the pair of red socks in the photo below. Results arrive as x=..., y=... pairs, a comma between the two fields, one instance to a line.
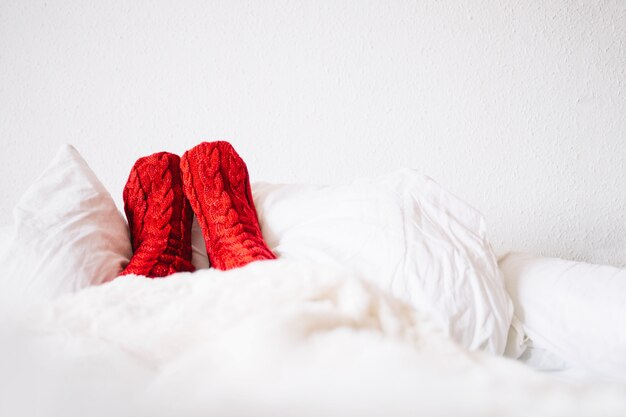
x=164, y=191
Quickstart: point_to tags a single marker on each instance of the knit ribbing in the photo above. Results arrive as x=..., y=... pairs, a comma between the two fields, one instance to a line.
x=159, y=217
x=216, y=182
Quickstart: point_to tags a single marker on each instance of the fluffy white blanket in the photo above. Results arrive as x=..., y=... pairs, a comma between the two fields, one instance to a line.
x=271, y=339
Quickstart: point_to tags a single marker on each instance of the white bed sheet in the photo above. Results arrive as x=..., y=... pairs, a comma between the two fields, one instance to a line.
x=542, y=360
x=270, y=339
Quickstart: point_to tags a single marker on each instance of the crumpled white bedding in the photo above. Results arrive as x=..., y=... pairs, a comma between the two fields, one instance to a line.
x=273, y=338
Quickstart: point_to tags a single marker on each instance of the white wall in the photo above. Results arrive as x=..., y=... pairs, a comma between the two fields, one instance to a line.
x=517, y=107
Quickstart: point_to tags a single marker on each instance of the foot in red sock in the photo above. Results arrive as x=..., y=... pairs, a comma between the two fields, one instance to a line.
x=159, y=217
x=216, y=182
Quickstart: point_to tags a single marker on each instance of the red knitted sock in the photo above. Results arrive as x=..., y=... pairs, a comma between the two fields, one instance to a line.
x=216, y=182
x=159, y=217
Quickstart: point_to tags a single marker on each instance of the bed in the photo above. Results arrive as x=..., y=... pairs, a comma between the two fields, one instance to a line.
x=386, y=299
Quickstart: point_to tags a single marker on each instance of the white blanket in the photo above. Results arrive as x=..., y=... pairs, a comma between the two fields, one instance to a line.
x=270, y=339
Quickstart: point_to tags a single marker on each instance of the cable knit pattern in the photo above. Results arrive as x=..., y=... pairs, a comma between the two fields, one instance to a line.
x=159, y=217
x=216, y=182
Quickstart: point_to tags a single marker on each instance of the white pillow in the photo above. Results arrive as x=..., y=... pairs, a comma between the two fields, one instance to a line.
x=406, y=234
x=573, y=309
x=6, y=232
x=67, y=234
x=199, y=257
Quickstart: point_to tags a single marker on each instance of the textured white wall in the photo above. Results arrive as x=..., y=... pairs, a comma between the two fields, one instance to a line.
x=517, y=107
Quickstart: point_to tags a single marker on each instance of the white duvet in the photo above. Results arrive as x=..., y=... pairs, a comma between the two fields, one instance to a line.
x=271, y=339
